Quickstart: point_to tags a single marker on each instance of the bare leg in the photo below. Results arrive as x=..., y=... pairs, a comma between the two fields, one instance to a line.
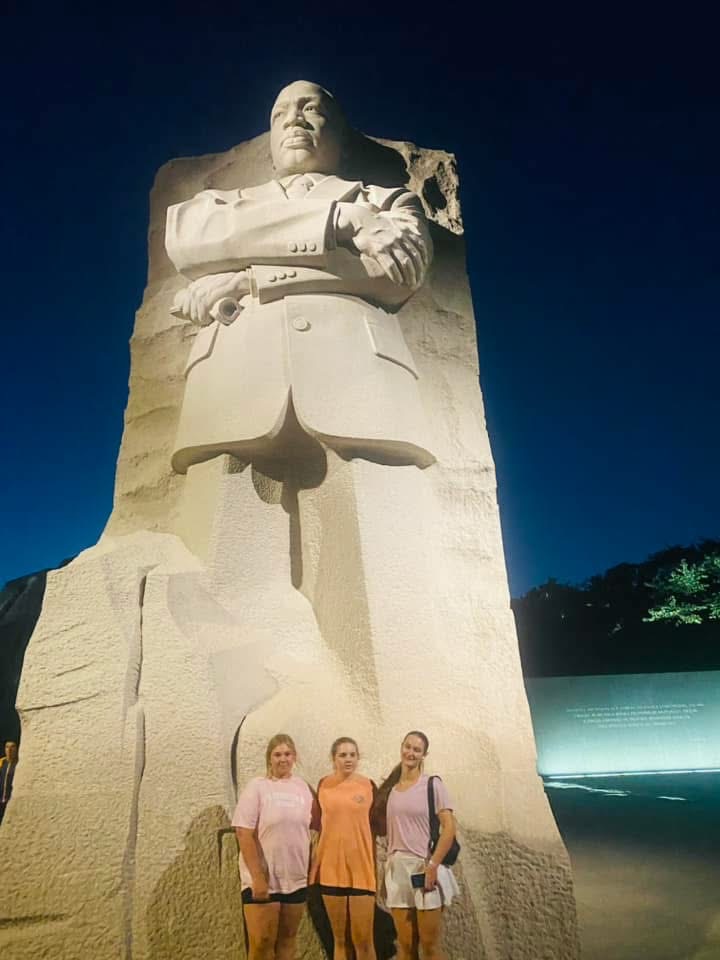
x=290, y=917
x=430, y=931
x=337, y=911
x=261, y=923
x=406, y=929
x=362, y=918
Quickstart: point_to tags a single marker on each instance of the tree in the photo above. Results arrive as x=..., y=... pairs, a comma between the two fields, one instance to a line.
x=604, y=625
x=687, y=594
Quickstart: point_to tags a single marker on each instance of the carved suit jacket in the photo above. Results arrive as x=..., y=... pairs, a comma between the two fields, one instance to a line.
x=317, y=329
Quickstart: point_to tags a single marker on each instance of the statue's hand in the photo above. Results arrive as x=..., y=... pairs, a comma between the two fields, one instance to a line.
x=392, y=242
x=195, y=302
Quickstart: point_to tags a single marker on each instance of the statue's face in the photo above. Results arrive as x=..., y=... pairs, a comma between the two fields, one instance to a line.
x=306, y=131
x=11, y=751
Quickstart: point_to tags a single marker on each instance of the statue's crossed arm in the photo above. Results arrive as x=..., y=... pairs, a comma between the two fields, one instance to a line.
x=226, y=243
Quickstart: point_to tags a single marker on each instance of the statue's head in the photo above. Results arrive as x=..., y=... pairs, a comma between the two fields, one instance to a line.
x=307, y=130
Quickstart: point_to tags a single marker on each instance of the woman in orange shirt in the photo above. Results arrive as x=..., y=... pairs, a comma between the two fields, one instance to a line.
x=344, y=863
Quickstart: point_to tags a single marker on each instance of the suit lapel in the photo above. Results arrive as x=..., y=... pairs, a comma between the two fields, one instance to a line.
x=272, y=190
x=331, y=188
x=334, y=188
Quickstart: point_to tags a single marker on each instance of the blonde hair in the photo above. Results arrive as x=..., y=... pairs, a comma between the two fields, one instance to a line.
x=275, y=742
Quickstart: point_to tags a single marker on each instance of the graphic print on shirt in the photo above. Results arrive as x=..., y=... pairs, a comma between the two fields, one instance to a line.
x=279, y=811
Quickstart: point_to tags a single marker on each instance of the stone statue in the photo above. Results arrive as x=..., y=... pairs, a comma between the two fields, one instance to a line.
x=305, y=537
x=318, y=266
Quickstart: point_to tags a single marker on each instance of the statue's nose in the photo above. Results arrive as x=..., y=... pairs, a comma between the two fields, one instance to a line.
x=296, y=120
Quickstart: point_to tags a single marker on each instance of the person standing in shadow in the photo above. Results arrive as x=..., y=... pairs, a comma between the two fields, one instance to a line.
x=8, y=765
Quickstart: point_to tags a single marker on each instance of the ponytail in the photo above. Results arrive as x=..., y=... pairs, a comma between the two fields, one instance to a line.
x=378, y=813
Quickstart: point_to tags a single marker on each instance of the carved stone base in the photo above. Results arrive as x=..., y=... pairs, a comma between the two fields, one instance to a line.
x=331, y=608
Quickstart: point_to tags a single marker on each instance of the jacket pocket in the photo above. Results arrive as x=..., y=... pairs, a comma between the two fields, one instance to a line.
x=388, y=342
x=202, y=346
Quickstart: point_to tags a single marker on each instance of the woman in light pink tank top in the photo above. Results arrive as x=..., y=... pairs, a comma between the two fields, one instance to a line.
x=417, y=884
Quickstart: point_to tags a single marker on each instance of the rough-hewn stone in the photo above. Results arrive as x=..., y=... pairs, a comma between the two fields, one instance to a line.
x=322, y=595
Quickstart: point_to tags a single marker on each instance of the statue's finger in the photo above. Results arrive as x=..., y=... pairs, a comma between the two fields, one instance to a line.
x=407, y=263
x=407, y=268
x=416, y=258
x=198, y=307
x=404, y=263
x=390, y=267
x=203, y=310
x=417, y=244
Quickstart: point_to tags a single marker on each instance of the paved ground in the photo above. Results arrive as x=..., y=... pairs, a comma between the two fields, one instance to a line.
x=647, y=867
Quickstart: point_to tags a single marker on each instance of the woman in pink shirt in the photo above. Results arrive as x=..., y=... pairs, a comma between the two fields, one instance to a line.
x=417, y=885
x=272, y=822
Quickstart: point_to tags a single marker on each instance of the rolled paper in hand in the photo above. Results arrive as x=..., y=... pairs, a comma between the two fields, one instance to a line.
x=226, y=309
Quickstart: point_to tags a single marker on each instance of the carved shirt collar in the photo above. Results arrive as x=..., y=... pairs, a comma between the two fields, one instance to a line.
x=315, y=177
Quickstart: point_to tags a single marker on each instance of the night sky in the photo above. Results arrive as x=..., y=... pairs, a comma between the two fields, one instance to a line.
x=588, y=152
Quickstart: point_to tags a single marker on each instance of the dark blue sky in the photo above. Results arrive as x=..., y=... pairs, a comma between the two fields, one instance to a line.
x=588, y=152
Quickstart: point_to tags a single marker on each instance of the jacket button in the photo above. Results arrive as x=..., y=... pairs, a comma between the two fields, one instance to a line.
x=300, y=323
x=292, y=247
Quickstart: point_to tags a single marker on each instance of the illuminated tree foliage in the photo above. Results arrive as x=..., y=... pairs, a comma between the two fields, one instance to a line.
x=689, y=593
x=625, y=620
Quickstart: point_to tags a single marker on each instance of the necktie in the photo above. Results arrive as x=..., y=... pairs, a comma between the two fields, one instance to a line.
x=299, y=187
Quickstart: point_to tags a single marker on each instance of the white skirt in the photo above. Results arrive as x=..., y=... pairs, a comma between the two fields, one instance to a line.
x=399, y=891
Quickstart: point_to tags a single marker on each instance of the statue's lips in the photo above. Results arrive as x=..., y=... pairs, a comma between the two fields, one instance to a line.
x=298, y=140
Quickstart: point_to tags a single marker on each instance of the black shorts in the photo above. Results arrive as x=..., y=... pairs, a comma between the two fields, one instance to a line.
x=344, y=891
x=297, y=896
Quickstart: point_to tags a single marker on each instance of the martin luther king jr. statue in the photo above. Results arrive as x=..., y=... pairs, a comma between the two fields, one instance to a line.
x=305, y=537
x=295, y=283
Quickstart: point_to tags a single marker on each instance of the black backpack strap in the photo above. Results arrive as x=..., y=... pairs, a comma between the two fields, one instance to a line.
x=434, y=819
